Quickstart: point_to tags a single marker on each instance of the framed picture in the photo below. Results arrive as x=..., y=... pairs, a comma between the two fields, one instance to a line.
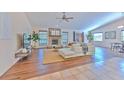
x=110, y=35
x=106, y=35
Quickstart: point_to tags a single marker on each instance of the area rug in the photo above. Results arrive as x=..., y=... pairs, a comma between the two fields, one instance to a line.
x=51, y=56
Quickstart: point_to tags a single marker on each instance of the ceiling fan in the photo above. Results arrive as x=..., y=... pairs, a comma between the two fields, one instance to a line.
x=65, y=18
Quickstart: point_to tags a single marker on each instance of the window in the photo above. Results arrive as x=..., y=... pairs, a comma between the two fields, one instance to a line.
x=54, y=31
x=64, y=38
x=43, y=38
x=26, y=40
x=122, y=35
x=98, y=36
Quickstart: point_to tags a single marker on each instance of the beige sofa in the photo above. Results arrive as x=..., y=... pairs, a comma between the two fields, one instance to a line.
x=22, y=53
x=75, y=51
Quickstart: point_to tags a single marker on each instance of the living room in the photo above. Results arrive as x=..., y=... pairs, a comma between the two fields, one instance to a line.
x=53, y=42
x=61, y=46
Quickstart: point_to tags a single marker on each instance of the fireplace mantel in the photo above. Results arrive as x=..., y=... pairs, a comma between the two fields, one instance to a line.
x=54, y=38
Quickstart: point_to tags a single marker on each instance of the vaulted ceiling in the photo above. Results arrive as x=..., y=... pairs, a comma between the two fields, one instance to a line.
x=84, y=21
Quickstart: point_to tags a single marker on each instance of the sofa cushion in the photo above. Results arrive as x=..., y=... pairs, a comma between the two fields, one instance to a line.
x=22, y=50
x=76, y=45
x=64, y=49
x=68, y=53
x=77, y=48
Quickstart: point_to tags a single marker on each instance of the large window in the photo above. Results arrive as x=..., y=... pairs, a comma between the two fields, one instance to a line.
x=98, y=36
x=64, y=38
x=122, y=35
x=26, y=40
x=43, y=38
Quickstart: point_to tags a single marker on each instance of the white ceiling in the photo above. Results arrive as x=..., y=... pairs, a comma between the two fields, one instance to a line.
x=82, y=20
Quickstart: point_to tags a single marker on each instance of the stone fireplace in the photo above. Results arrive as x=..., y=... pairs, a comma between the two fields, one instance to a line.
x=54, y=37
x=55, y=41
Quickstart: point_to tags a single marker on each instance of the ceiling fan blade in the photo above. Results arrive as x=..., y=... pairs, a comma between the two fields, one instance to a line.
x=70, y=18
x=58, y=18
x=66, y=20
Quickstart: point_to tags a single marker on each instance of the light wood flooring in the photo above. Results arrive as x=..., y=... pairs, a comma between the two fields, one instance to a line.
x=113, y=69
x=33, y=66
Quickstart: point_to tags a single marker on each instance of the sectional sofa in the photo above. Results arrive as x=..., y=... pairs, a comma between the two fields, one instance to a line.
x=76, y=50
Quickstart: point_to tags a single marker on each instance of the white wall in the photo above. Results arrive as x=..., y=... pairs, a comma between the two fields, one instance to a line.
x=18, y=23
x=110, y=27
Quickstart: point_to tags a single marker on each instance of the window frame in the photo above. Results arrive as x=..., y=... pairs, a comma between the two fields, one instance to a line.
x=122, y=35
x=26, y=35
x=40, y=44
x=64, y=39
x=98, y=33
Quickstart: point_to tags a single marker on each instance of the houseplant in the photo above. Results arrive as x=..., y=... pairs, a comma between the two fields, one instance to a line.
x=90, y=36
x=34, y=38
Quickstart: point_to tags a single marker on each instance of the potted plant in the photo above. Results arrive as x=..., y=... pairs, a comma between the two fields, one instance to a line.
x=35, y=38
x=90, y=36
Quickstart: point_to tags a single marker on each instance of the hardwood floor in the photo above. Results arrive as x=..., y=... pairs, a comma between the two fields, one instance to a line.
x=33, y=66
x=111, y=69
